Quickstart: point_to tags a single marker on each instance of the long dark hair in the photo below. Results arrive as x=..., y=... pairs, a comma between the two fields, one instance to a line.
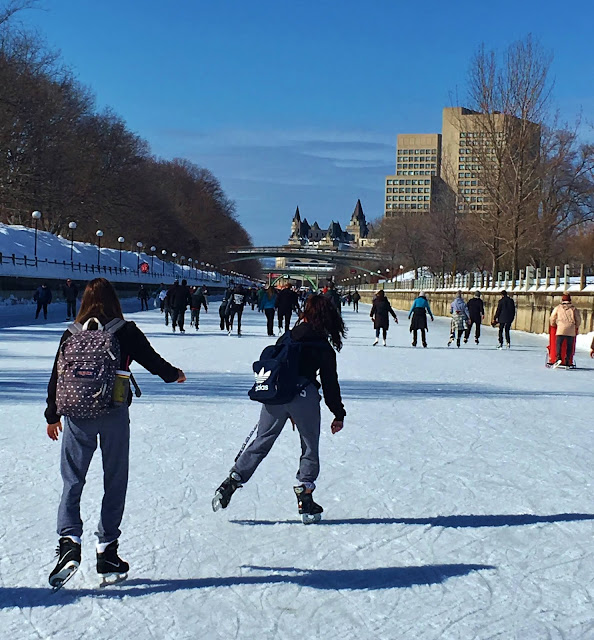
x=99, y=301
x=323, y=317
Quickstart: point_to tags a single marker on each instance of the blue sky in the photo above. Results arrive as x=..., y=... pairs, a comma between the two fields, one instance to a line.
x=299, y=103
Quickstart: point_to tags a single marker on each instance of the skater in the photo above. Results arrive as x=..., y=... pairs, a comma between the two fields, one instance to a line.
x=143, y=296
x=99, y=304
x=381, y=309
x=198, y=301
x=43, y=297
x=504, y=315
x=476, y=313
x=161, y=297
x=319, y=329
x=179, y=299
x=287, y=301
x=356, y=298
x=459, y=312
x=267, y=304
x=418, y=311
x=333, y=295
x=70, y=293
x=224, y=308
x=236, y=304
x=566, y=318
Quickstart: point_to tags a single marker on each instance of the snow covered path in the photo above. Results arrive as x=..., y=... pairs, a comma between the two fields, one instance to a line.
x=457, y=498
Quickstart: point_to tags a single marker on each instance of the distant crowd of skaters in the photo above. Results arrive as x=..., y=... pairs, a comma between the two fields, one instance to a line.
x=280, y=302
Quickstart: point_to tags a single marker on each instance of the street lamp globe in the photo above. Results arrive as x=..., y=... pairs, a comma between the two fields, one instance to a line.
x=153, y=248
x=36, y=215
x=72, y=226
x=163, y=252
x=99, y=233
x=139, y=245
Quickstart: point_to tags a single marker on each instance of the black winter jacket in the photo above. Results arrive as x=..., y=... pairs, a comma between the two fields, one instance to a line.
x=70, y=293
x=476, y=309
x=179, y=296
x=380, y=312
x=134, y=346
x=317, y=354
x=287, y=300
x=506, y=310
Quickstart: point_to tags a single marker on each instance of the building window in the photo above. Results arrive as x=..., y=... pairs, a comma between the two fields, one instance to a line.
x=389, y=182
x=433, y=150
x=425, y=206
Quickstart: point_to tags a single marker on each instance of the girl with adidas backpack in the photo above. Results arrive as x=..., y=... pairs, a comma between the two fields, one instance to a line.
x=89, y=387
x=317, y=335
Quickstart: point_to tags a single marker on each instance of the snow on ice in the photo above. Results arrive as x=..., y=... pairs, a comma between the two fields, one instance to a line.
x=457, y=497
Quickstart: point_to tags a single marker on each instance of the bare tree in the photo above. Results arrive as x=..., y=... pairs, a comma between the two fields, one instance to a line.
x=511, y=99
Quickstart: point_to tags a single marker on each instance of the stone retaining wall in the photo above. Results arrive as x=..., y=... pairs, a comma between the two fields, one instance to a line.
x=533, y=309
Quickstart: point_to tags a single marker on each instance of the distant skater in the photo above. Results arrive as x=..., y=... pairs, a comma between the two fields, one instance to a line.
x=380, y=313
x=504, y=316
x=476, y=313
x=356, y=298
x=419, y=310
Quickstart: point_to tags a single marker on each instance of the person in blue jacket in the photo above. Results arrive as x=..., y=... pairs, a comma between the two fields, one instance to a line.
x=419, y=310
x=267, y=304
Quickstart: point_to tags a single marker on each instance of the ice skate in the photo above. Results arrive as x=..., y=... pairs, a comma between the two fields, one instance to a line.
x=476, y=341
x=223, y=494
x=500, y=346
x=309, y=511
x=68, y=553
x=384, y=342
x=110, y=567
x=375, y=341
x=414, y=344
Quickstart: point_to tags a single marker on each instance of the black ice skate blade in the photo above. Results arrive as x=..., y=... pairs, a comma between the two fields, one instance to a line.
x=310, y=518
x=108, y=579
x=58, y=583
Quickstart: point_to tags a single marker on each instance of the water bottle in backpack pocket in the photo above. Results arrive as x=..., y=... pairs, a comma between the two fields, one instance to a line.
x=87, y=365
x=277, y=372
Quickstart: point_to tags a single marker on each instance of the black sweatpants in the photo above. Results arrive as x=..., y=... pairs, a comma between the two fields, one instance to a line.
x=504, y=327
x=41, y=305
x=178, y=317
x=269, y=321
x=477, y=331
x=569, y=340
x=235, y=309
x=71, y=309
x=284, y=318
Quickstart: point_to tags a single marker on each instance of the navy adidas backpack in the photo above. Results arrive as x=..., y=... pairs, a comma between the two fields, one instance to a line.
x=277, y=372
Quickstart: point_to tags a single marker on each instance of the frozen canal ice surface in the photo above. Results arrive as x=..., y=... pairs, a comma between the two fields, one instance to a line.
x=457, y=498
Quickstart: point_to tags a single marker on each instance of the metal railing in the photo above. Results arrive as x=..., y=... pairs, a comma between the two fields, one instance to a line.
x=47, y=268
x=529, y=279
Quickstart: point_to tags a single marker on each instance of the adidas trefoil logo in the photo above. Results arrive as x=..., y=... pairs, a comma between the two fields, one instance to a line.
x=261, y=378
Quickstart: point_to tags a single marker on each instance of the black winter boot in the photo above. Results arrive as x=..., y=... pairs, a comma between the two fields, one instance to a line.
x=308, y=509
x=223, y=494
x=68, y=553
x=109, y=563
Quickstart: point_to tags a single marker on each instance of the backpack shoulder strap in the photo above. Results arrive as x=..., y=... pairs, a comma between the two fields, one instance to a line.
x=114, y=325
x=75, y=327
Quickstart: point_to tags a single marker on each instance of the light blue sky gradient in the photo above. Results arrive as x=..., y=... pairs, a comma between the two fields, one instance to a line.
x=299, y=103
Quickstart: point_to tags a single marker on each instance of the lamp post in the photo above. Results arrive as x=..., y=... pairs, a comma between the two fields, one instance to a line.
x=139, y=245
x=72, y=227
x=153, y=249
x=181, y=263
x=163, y=254
x=174, y=256
x=36, y=215
x=190, y=263
x=401, y=274
x=99, y=235
x=121, y=241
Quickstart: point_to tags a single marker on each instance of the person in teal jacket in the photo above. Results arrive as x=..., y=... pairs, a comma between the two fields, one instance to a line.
x=419, y=310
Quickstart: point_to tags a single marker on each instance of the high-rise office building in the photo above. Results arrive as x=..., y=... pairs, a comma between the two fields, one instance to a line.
x=470, y=144
x=412, y=187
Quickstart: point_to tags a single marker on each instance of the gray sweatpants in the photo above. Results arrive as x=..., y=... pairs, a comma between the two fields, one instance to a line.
x=78, y=446
x=305, y=411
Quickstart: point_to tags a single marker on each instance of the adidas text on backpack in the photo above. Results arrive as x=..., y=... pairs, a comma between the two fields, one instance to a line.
x=277, y=372
x=87, y=364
